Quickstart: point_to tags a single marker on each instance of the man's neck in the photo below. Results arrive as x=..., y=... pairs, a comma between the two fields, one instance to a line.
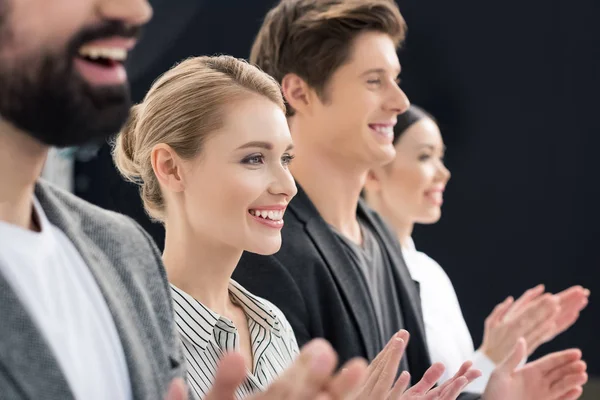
x=333, y=185
x=21, y=162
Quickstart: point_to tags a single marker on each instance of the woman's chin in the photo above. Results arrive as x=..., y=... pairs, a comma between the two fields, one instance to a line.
x=266, y=248
x=431, y=217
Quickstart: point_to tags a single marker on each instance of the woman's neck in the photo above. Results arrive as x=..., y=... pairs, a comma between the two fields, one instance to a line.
x=200, y=267
x=403, y=228
x=404, y=234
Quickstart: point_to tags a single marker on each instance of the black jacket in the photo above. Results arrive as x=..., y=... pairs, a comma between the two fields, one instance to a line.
x=311, y=281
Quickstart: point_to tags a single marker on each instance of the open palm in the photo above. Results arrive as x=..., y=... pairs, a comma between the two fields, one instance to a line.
x=558, y=376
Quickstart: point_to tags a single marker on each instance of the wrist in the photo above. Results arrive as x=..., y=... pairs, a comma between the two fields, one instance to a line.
x=485, y=351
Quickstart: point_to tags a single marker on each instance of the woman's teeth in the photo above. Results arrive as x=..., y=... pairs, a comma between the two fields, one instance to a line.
x=275, y=215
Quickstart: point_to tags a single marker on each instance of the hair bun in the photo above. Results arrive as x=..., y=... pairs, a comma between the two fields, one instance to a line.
x=124, y=148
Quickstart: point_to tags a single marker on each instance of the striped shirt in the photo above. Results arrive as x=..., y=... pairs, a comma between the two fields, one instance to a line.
x=206, y=336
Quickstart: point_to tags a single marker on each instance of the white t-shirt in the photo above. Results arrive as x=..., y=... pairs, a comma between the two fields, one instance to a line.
x=61, y=295
x=448, y=337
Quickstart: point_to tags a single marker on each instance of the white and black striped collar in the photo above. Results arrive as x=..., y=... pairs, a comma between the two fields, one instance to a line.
x=196, y=322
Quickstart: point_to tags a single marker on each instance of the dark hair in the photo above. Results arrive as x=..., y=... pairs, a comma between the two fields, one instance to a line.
x=313, y=38
x=411, y=116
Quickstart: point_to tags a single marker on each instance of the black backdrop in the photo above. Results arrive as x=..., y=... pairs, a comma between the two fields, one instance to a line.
x=515, y=88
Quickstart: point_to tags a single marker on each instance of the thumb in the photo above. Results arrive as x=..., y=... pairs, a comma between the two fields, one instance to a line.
x=513, y=360
x=229, y=376
x=177, y=390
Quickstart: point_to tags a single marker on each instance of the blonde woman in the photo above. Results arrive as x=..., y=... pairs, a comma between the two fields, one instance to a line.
x=210, y=147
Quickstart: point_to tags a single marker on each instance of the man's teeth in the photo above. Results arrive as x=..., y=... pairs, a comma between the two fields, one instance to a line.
x=275, y=215
x=386, y=130
x=111, y=53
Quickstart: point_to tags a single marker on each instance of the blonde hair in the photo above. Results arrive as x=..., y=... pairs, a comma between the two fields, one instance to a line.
x=182, y=107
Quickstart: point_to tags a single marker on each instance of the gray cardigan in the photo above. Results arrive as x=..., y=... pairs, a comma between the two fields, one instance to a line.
x=128, y=269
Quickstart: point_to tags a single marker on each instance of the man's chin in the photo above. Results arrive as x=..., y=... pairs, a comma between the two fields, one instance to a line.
x=384, y=156
x=93, y=115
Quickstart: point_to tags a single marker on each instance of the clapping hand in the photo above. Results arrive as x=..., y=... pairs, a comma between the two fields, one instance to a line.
x=310, y=377
x=536, y=316
x=557, y=376
x=382, y=371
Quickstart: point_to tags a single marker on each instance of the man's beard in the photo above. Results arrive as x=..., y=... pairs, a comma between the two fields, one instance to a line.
x=44, y=96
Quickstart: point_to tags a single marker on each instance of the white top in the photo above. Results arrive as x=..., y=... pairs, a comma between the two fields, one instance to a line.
x=448, y=337
x=61, y=295
x=206, y=336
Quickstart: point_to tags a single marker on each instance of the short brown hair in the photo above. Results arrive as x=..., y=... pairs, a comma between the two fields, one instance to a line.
x=184, y=106
x=313, y=38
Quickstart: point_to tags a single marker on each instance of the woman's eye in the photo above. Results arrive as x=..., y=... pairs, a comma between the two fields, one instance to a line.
x=374, y=81
x=255, y=159
x=424, y=157
x=286, y=159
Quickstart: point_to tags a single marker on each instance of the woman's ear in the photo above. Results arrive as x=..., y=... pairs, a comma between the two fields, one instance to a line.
x=167, y=166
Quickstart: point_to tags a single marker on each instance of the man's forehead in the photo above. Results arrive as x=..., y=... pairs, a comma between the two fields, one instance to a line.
x=374, y=51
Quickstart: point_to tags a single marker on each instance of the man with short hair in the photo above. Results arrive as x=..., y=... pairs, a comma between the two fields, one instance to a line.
x=340, y=273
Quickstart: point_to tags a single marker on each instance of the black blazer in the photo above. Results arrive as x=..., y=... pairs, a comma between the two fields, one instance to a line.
x=310, y=280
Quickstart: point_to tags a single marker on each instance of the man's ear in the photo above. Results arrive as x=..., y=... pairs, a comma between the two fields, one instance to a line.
x=167, y=167
x=297, y=93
